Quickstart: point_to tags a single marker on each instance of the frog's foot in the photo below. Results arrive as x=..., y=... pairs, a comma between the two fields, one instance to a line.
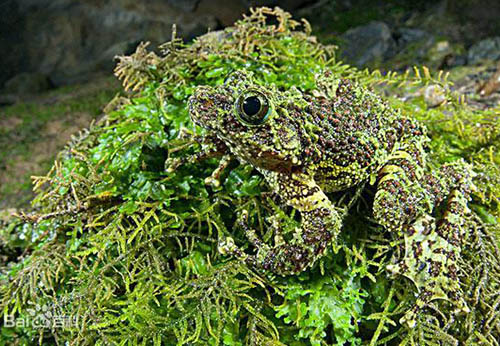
x=431, y=254
x=227, y=247
x=171, y=164
x=320, y=225
x=214, y=178
x=295, y=256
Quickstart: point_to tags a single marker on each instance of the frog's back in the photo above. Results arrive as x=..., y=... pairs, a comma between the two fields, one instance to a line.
x=353, y=132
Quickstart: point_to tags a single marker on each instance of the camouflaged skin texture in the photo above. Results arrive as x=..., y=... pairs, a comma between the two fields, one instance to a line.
x=332, y=138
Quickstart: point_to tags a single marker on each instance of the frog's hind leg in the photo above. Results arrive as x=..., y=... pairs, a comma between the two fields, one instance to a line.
x=431, y=248
x=401, y=196
x=320, y=225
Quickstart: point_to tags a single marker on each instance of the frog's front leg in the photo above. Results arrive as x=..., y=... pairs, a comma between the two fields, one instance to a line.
x=211, y=147
x=320, y=225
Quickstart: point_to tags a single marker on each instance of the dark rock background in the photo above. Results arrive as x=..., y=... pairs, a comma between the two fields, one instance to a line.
x=49, y=43
x=67, y=41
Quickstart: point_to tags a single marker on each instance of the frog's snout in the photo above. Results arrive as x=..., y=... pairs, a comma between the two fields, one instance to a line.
x=201, y=106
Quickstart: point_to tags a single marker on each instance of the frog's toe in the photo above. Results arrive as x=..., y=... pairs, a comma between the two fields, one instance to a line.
x=226, y=246
x=250, y=233
x=395, y=269
x=212, y=181
x=409, y=318
x=215, y=178
x=171, y=164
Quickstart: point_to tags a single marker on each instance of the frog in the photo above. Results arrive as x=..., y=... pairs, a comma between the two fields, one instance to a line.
x=307, y=144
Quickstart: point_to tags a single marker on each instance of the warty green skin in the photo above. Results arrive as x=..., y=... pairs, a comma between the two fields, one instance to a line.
x=335, y=137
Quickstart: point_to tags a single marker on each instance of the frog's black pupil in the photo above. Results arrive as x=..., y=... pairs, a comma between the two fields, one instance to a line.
x=253, y=108
x=251, y=105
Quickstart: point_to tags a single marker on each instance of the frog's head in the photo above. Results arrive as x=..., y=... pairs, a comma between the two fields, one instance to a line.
x=252, y=119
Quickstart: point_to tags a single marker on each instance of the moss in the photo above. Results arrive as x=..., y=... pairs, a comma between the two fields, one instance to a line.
x=129, y=252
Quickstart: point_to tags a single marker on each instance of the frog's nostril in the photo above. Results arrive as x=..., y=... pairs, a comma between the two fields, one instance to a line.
x=201, y=99
x=200, y=104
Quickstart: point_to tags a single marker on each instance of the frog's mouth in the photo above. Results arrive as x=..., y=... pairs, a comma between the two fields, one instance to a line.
x=270, y=160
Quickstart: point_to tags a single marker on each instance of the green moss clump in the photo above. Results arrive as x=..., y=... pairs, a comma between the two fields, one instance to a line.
x=129, y=253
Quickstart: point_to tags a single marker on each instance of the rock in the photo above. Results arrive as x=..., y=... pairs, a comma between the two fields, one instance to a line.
x=8, y=99
x=434, y=96
x=412, y=46
x=411, y=35
x=488, y=49
x=477, y=19
x=456, y=60
x=185, y=5
x=107, y=58
x=367, y=44
x=27, y=83
x=70, y=40
x=438, y=52
x=492, y=85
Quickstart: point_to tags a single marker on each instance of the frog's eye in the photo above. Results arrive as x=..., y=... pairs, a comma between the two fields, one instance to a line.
x=253, y=107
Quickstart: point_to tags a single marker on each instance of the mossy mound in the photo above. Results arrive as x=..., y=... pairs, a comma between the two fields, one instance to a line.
x=128, y=253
